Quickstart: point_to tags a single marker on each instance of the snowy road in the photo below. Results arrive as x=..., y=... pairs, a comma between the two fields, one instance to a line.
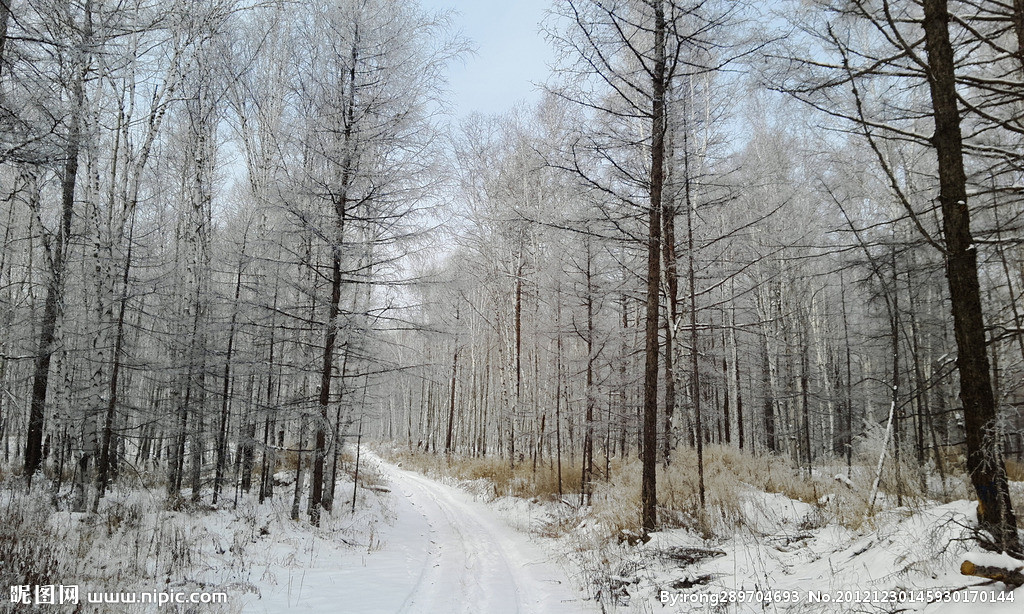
x=439, y=552
x=447, y=553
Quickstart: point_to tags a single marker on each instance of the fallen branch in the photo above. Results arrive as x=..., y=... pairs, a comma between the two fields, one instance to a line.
x=689, y=555
x=1010, y=577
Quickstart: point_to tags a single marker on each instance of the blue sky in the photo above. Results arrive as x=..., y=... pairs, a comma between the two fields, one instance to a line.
x=510, y=53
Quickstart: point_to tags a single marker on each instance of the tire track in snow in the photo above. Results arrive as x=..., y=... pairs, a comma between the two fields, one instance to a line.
x=455, y=577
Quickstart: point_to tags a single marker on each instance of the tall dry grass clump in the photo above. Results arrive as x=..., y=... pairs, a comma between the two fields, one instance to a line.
x=728, y=473
x=735, y=482
x=28, y=552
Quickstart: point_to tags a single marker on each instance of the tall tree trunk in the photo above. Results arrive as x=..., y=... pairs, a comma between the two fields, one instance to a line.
x=984, y=461
x=516, y=405
x=768, y=405
x=848, y=388
x=326, y=373
x=337, y=438
x=648, y=489
x=57, y=249
x=734, y=377
x=1018, y=28
x=558, y=385
x=668, y=211
x=341, y=204
x=246, y=443
x=694, y=359
x=5, y=18
x=805, y=408
x=451, y=401
x=225, y=399
x=587, y=477
x=268, y=464
x=300, y=476
x=103, y=467
x=897, y=437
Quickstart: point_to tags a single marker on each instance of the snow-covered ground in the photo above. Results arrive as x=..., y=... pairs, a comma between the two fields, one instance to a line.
x=784, y=556
x=786, y=559
x=440, y=551
x=420, y=545
x=906, y=561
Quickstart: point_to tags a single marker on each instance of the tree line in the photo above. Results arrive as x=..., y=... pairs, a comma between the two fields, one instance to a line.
x=788, y=239
x=204, y=205
x=235, y=231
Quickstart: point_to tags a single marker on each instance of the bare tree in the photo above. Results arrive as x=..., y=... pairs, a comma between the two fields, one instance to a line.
x=893, y=57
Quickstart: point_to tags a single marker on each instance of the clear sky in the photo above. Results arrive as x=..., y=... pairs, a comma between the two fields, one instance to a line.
x=511, y=54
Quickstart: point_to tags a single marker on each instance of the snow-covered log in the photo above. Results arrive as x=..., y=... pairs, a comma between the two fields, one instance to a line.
x=1001, y=567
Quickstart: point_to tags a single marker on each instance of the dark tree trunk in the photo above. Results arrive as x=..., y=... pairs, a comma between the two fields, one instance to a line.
x=558, y=386
x=451, y=401
x=269, y=461
x=648, y=489
x=805, y=408
x=848, y=397
x=300, y=476
x=48, y=328
x=897, y=408
x=1018, y=27
x=5, y=18
x=519, y=363
x=736, y=374
x=984, y=462
x=341, y=204
x=246, y=448
x=897, y=438
x=668, y=210
x=225, y=401
x=587, y=477
x=103, y=466
x=326, y=372
x=337, y=439
x=698, y=418
x=768, y=407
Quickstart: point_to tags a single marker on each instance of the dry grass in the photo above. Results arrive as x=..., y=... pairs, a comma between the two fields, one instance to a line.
x=369, y=475
x=132, y=543
x=728, y=473
x=28, y=552
x=520, y=481
x=1015, y=470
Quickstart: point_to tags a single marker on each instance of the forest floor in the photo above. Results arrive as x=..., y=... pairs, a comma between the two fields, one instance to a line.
x=409, y=545
x=242, y=555
x=424, y=538
x=414, y=546
x=769, y=552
